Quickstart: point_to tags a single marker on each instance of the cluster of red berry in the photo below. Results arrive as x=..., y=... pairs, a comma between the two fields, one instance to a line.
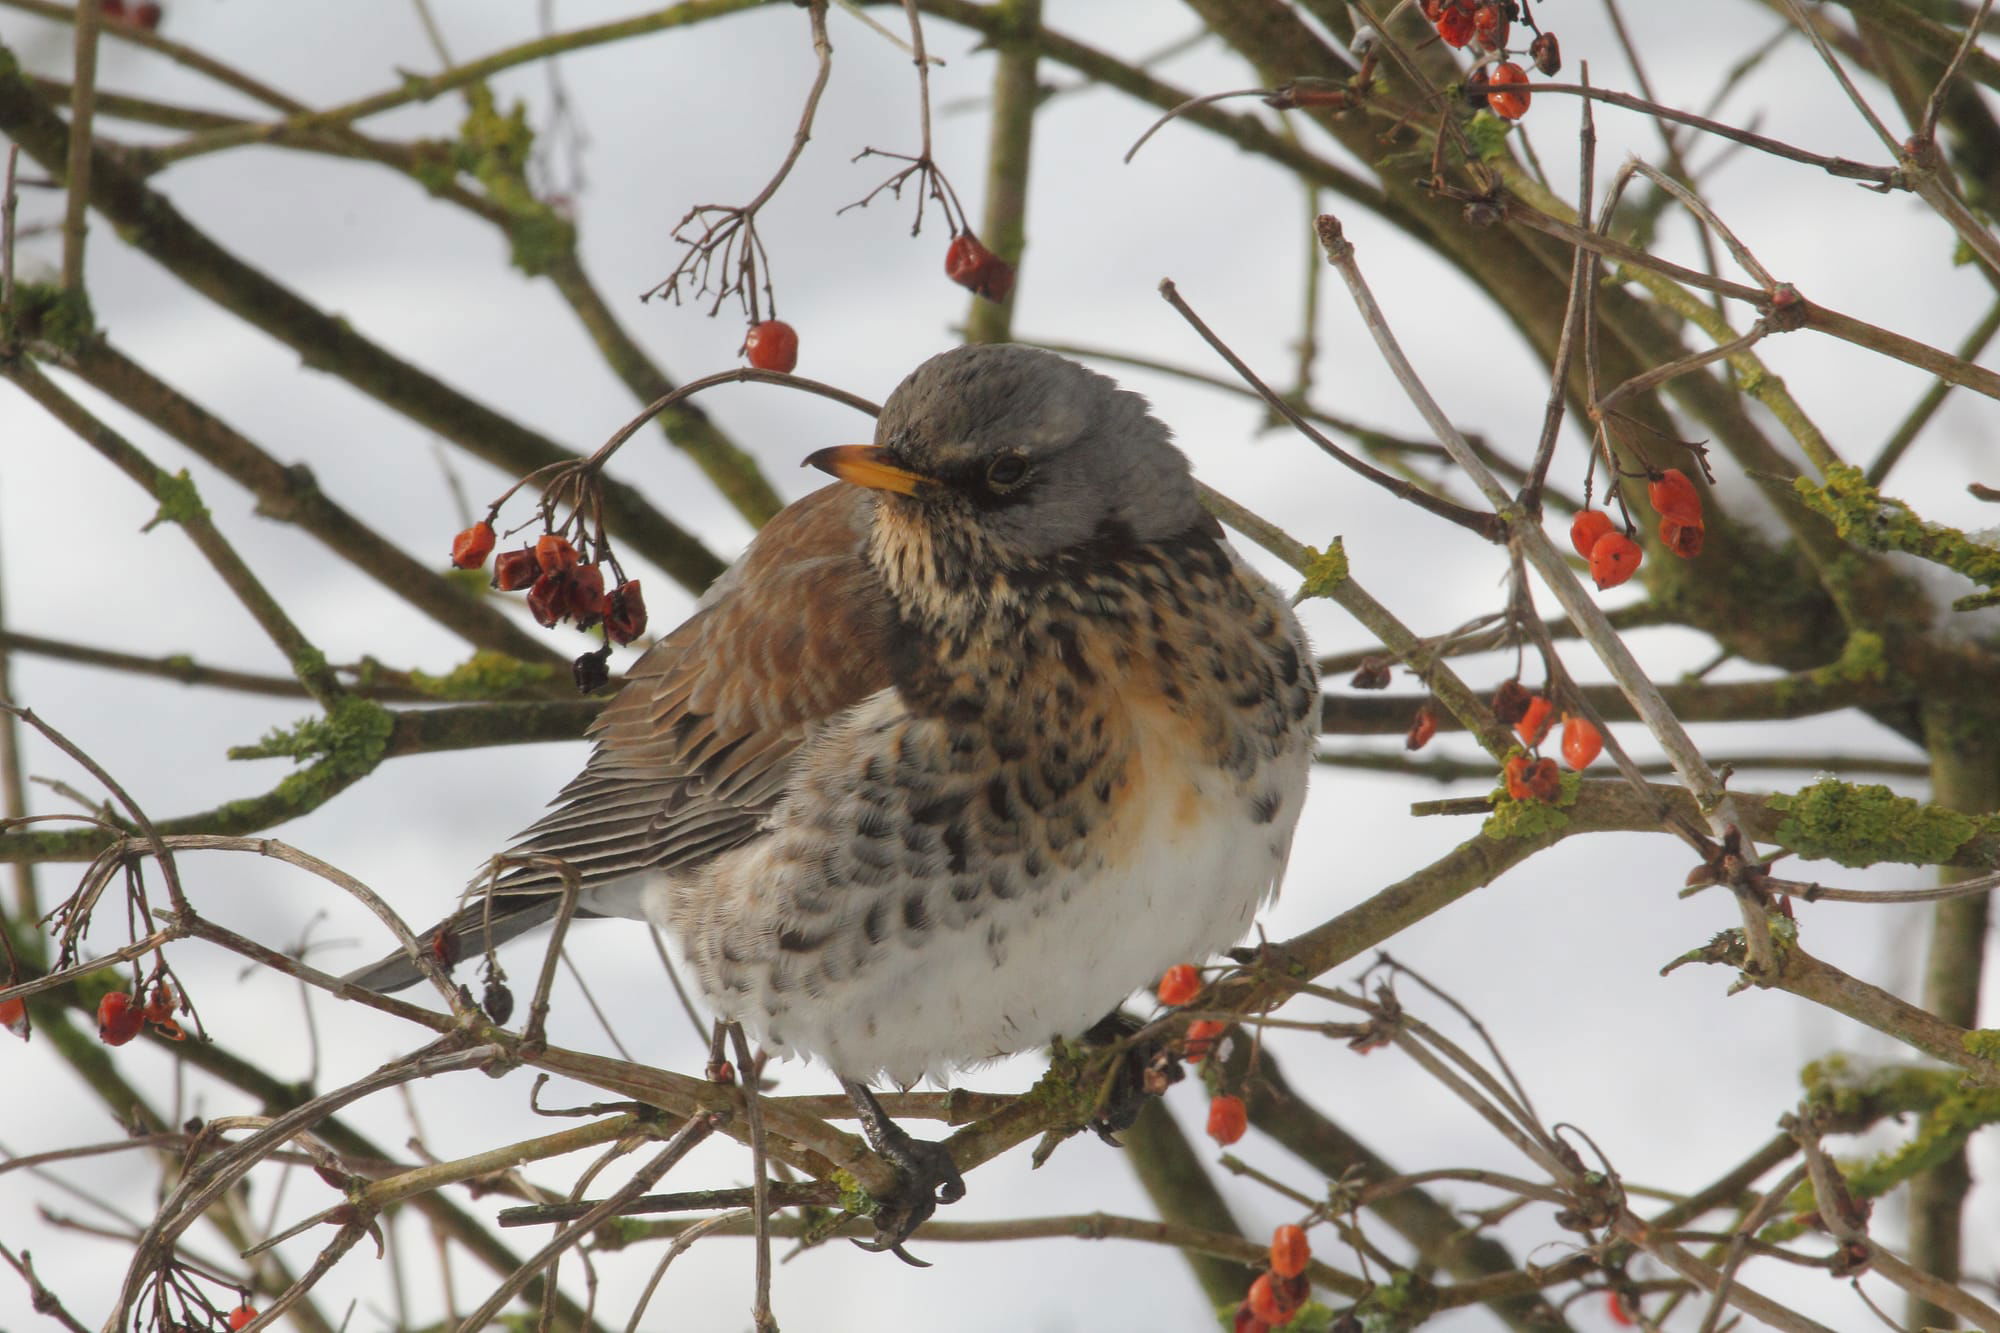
x=1677, y=502
x=1502, y=86
x=561, y=585
x=1614, y=556
x=1228, y=1118
x=145, y=15
x=1531, y=715
x=1279, y=1293
x=121, y=1016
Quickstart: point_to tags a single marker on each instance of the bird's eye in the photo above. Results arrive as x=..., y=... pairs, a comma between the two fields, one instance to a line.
x=1006, y=472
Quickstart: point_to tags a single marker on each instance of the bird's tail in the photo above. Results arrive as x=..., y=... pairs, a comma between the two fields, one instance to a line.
x=467, y=933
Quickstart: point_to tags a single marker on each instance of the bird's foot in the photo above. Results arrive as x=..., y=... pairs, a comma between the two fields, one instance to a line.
x=1143, y=1070
x=926, y=1176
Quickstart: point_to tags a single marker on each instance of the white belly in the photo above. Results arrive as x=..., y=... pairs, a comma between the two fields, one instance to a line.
x=1186, y=866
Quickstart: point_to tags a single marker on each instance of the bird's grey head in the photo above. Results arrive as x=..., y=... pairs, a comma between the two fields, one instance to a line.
x=1021, y=455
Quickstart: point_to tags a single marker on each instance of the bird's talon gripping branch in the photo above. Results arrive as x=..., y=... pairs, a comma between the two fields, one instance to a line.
x=926, y=1176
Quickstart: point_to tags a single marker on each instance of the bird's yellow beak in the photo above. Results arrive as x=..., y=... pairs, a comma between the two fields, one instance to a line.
x=863, y=465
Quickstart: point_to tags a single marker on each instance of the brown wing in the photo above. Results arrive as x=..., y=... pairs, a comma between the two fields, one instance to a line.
x=697, y=746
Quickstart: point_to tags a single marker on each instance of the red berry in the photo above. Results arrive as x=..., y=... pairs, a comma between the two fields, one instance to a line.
x=1614, y=559
x=1489, y=24
x=147, y=15
x=445, y=948
x=118, y=1019
x=160, y=1006
x=625, y=612
x=1289, y=1251
x=1586, y=528
x=554, y=554
x=1535, y=722
x=1246, y=1321
x=470, y=548
x=1532, y=780
x=583, y=595
x=241, y=1316
x=1201, y=1035
x=515, y=570
x=1181, y=983
x=1454, y=24
x=963, y=257
x=1423, y=726
x=772, y=345
x=1227, y=1119
x=1510, y=702
x=1674, y=496
x=1581, y=742
x=111, y=9
x=1683, y=539
x=1544, y=781
x=548, y=600
x=1372, y=674
x=995, y=280
x=1267, y=1301
x=592, y=672
x=1546, y=52
x=14, y=1016
x=1512, y=104
x=971, y=265
x=1621, y=1315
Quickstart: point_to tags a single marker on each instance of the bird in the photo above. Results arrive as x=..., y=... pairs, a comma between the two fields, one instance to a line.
x=961, y=752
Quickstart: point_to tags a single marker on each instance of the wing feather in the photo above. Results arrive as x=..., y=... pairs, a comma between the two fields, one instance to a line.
x=697, y=747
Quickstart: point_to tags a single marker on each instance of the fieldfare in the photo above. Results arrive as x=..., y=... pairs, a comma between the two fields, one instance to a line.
x=957, y=755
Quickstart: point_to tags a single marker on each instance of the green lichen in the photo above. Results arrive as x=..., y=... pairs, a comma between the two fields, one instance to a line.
x=1407, y=1298
x=308, y=663
x=1311, y=1318
x=853, y=1199
x=1066, y=1088
x=346, y=742
x=484, y=675
x=1858, y=825
x=615, y=1233
x=1946, y=1115
x=433, y=164
x=179, y=501
x=1983, y=1044
x=1864, y=516
x=1487, y=134
x=1849, y=1097
x=49, y=313
x=1863, y=660
x=493, y=148
x=1325, y=570
x=1530, y=818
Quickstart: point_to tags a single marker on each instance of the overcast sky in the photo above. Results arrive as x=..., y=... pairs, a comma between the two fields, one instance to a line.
x=1560, y=959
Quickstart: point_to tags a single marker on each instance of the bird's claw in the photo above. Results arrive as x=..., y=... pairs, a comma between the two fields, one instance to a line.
x=1145, y=1071
x=926, y=1176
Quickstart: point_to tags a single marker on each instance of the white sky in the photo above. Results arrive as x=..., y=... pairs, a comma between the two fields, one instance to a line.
x=1559, y=959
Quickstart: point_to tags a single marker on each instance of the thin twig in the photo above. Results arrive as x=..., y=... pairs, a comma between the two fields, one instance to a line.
x=1484, y=525
x=747, y=1078
x=76, y=177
